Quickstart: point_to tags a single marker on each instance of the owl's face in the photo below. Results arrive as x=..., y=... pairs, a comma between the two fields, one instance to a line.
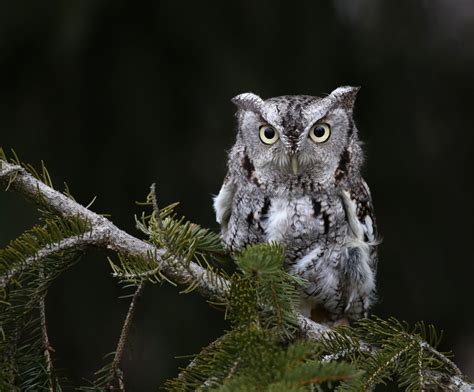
x=296, y=134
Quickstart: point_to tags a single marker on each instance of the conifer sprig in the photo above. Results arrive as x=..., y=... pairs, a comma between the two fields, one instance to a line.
x=183, y=246
x=389, y=350
x=29, y=265
x=258, y=353
x=273, y=289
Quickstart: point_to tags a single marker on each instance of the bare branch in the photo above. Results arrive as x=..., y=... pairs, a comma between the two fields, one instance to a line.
x=105, y=234
x=46, y=345
x=115, y=372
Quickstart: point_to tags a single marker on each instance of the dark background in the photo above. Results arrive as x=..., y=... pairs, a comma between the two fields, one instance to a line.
x=115, y=95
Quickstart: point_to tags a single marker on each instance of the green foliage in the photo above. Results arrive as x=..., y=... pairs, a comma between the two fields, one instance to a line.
x=264, y=289
x=262, y=351
x=180, y=242
x=28, y=268
x=259, y=353
x=389, y=350
x=21, y=252
x=28, y=265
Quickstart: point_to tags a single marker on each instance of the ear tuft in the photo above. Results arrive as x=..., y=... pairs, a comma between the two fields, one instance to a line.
x=248, y=101
x=346, y=95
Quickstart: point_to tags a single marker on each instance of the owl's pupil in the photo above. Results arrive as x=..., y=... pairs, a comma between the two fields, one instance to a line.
x=319, y=131
x=269, y=133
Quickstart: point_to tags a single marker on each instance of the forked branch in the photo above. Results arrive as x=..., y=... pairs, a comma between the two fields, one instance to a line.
x=106, y=235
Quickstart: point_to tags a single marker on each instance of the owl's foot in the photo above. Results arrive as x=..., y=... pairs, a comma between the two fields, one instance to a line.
x=343, y=322
x=322, y=316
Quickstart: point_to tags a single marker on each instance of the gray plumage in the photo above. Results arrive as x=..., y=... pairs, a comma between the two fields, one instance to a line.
x=294, y=178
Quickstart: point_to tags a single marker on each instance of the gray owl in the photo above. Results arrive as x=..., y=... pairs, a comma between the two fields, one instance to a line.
x=294, y=178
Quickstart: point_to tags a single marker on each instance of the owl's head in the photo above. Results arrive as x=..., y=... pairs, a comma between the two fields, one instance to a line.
x=297, y=133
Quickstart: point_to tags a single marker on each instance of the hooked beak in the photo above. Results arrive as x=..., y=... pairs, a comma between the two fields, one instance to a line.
x=295, y=166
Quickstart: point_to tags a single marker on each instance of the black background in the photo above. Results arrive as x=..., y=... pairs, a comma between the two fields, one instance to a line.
x=115, y=95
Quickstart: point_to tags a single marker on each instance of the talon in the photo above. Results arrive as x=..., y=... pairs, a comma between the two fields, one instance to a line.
x=343, y=322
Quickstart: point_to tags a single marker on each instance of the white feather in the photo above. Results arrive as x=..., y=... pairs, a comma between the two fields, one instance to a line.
x=308, y=258
x=278, y=220
x=223, y=202
x=354, y=223
x=355, y=239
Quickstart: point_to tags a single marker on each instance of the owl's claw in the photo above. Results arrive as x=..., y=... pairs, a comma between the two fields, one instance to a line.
x=343, y=322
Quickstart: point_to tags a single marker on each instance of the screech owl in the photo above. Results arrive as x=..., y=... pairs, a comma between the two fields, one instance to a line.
x=294, y=178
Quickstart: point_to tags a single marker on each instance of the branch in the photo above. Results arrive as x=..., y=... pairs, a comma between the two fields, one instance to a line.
x=310, y=329
x=77, y=243
x=106, y=235
x=46, y=344
x=436, y=353
x=156, y=209
x=115, y=372
x=454, y=383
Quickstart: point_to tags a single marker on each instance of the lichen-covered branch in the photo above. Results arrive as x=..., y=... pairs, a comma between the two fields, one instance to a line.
x=106, y=235
x=72, y=243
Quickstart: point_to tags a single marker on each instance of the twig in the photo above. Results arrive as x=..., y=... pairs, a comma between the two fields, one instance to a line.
x=369, y=383
x=115, y=372
x=7, y=170
x=337, y=356
x=156, y=209
x=106, y=234
x=421, y=376
x=77, y=243
x=47, y=349
x=441, y=357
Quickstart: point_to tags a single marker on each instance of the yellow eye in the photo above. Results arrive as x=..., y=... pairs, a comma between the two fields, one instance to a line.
x=320, y=132
x=268, y=134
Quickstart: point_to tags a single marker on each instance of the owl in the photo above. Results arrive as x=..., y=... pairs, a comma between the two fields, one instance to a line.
x=294, y=178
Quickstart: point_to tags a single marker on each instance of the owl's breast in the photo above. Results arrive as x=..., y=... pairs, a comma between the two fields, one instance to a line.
x=301, y=222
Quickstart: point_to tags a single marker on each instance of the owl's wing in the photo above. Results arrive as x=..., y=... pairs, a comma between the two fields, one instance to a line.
x=360, y=214
x=223, y=202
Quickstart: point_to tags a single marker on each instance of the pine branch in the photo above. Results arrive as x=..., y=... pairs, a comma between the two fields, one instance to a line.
x=72, y=243
x=106, y=235
x=115, y=372
x=441, y=357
